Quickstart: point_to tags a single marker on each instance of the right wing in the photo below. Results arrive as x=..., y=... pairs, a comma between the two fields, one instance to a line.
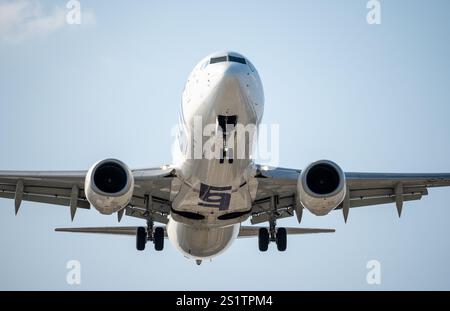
x=277, y=191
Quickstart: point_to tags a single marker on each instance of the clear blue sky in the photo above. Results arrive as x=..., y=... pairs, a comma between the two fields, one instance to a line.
x=369, y=97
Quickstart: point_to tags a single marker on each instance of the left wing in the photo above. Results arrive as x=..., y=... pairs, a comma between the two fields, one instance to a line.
x=277, y=191
x=151, y=193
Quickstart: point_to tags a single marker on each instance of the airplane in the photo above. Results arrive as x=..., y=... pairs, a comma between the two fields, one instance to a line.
x=202, y=200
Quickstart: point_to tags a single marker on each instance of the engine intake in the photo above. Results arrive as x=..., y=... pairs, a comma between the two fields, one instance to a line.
x=110, y=177
x=109, y=186
x=322, y=187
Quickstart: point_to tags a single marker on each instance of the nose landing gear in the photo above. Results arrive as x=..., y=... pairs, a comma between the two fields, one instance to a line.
x=149, y=234
x=279, y=236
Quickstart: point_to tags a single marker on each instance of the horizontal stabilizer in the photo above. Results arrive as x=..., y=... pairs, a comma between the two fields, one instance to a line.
x=249, y=231
x=245, y=231
x=102, y=230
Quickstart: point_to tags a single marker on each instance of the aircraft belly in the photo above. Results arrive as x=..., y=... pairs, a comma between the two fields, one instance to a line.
x=199, y=242
x=211, y=203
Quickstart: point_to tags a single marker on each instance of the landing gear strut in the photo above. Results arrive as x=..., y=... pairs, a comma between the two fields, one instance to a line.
x=273, y=234
x=150, y=234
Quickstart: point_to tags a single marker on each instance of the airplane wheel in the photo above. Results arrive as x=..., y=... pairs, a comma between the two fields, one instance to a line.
x=281, y=239
x=158, y=238
x=141, y=238
x=263, y=239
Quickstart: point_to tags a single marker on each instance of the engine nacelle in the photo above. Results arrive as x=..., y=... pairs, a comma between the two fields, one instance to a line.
x=321, y=187
x=109, y=186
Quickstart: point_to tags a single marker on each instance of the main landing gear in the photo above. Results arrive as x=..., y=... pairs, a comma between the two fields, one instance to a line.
x=149, y=234
x=273, y=234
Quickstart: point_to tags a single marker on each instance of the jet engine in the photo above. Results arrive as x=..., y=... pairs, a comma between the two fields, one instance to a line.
x=109, y=186
x=321, y=187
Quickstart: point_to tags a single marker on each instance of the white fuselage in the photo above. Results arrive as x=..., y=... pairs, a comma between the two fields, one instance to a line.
x=214, y=189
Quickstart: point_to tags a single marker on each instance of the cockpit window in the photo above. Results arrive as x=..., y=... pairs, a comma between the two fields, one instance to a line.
x=228, y=58
x=218, y=59
x=237, y=59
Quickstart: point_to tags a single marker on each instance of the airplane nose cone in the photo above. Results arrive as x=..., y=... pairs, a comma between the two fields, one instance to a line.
x=231, y=92
x=231, y=70
x=228, y=92
x=229, y=79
